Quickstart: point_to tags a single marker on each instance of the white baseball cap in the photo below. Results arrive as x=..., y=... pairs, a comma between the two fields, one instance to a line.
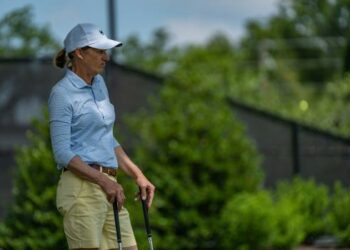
x=88, y=34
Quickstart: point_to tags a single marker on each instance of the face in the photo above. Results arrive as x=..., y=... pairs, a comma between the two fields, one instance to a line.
x=94, y=60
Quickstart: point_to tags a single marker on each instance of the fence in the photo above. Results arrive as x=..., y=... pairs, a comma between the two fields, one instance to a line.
x=291, y=149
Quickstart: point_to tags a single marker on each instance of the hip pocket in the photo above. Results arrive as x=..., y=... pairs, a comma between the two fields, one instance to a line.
x=68, y=189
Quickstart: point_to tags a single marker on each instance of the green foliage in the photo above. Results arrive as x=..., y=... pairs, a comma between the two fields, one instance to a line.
x=309, y=37
x=311, y=201
x=221, y=62
x=197, y=154
x=288, y=231
x=269, y=68
x=33, y=221
x=156, y=56
x=248, y=222
x=20, y=37
x=332, y=107
x=339, y=217
x=256, y=221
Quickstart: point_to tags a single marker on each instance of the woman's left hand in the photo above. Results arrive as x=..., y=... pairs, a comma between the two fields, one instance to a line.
x=146, y=190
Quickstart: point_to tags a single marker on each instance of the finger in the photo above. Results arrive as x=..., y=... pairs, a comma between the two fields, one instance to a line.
x=143, y=193
x=120, y=203
x=149, y=202
x=111, y=200
x=150, y=197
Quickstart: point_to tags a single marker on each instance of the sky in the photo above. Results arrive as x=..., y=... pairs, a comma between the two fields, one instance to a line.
x=187, y=21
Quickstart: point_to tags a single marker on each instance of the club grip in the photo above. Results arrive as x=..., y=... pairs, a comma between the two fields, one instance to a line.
x=117, y=225
x=145, y=216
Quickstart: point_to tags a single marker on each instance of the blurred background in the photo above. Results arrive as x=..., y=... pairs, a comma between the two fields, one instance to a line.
x=191, y=22
x=237, y=111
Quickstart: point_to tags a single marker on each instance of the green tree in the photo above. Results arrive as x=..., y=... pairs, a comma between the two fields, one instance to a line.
x=197, y=154
x=308, y=36
x=156, y=56
x=20, y=36
x=33, y=221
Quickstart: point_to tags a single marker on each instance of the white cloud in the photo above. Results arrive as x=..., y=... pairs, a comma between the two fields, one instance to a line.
x=246, y=6
x=232, y=9
x=198, y=31
x=197, y=20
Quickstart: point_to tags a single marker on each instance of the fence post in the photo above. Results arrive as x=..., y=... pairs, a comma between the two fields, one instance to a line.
x=295, y=148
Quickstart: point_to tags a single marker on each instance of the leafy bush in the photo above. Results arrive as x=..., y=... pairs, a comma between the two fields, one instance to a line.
x=255, y=221
x=311, y=201
x=33, y=221
x=288, y=229
x=197, y=154
x=248, y=222
x=339, y=216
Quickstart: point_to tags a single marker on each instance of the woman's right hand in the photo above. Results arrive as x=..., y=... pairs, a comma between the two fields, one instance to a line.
x=114, y=191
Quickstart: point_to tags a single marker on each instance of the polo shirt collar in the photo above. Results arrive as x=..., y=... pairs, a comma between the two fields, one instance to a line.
x=77, y=81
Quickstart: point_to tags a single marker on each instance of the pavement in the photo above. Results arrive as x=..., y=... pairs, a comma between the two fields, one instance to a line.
x=319, y=248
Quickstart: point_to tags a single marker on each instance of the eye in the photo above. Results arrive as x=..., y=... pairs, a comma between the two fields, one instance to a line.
x=102, y=52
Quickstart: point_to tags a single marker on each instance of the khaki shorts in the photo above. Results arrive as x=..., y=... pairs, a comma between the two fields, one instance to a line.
x=88, y=217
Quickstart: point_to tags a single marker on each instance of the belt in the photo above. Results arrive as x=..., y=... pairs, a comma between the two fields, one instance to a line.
x=102, y=169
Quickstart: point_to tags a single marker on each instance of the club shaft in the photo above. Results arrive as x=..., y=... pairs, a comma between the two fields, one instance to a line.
x=145, y=216
x=150, y=242
x=117, y=225
x=147, y=225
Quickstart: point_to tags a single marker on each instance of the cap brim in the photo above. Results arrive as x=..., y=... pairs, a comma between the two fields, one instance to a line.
x=105, y=44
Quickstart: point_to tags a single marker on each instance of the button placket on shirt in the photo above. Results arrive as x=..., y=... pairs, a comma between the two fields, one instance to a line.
x=93, y=92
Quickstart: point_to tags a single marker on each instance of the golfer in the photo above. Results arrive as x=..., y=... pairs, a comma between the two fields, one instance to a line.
x=81, y=127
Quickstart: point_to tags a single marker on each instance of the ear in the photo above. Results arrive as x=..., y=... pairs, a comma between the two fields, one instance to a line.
x=78, y=53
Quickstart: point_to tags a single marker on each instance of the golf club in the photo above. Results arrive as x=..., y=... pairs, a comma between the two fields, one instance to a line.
x=147, y=225
x=117, y=225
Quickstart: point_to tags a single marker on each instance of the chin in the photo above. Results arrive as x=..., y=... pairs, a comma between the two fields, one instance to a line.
x=100, y=70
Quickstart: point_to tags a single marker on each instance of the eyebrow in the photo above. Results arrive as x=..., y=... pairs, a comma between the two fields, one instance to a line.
x=97, y=50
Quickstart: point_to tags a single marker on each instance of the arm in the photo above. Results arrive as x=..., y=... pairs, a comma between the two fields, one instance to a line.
x=131, y=169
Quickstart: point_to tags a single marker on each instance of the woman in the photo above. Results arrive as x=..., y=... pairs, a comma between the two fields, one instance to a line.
x=81, y=127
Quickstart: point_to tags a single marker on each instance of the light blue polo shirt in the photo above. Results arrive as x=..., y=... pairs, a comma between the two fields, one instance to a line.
x=81, y=121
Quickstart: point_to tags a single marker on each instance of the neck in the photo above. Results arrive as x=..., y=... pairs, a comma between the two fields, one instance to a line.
x=84, y=74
